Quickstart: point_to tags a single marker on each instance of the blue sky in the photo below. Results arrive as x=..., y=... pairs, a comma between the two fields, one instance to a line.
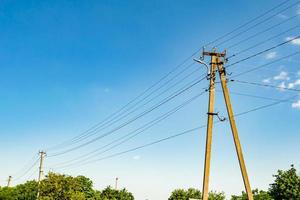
x=66, y=65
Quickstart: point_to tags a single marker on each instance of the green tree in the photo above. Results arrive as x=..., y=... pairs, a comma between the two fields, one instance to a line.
x=216, y=196
x=26, y=191
x=257, y=195
x=57, y=186
x=181, y=194
x=86, y=187
x=7, y=193
x=286, y=185
x=111, y=194
x=62, y=187
x=178, y=194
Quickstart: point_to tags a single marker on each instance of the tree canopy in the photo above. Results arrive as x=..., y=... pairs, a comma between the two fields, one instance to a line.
x=58, y=186
x=111, y=194
x=286, y=185
x=257, y=195
x=192, y=193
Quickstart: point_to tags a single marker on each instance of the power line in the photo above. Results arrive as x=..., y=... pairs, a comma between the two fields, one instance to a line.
x=267, y=64
x=31, y=175
x=257, y=96
x=146, y=145
x=84, y=134
x=260, y=66
x=267, y=106
x=24, y=168
x=165, y=76
x=253, y=96
x=257, y=24
x=275, y=86
x=27, y=171
x=265, y=85
x=262, y=42
x=261, y=32
x=186, y=132
x=264, y=51
x=126, y=105
x=134, y=133
x=166, y=100
x=131, y=109
x=247, y=23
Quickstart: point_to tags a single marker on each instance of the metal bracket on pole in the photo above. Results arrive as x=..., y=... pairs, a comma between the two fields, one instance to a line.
x=222, y=119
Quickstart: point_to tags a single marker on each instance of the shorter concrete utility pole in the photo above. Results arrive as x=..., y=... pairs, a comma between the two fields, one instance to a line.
x=42, y=156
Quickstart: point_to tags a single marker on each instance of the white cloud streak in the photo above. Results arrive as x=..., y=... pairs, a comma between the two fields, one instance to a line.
x=271, y=55
x=282, y=86
x=282, y=76
x=296, y=104
x=267, y=80
x=137, y=157
x=292, y=85
x=294, y=42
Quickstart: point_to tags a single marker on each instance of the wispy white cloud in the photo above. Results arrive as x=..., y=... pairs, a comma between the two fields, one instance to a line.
x=294, y=42
x=282, y=86
x=298, y=11
x=271, y=55
x=283, y=75
x=296, y=104
x=137, y=157
x=292, y=85
x=282, y=16
x=267, y=80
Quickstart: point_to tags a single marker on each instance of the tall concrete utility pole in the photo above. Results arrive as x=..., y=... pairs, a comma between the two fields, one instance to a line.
x=210, y=119
x=9, y=181
x=217, y=65
x=42, y=156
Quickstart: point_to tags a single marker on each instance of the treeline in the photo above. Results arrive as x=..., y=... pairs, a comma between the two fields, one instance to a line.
x=286, y=186
x=62, y=187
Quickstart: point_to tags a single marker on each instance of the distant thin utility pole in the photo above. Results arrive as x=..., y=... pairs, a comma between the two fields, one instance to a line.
x=9, y=181
x=116, y=183
x=42, y=156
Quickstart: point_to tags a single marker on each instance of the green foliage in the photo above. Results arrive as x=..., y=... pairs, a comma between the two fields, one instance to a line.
x=257, y=195
x=111, y=194
x=181, y=194
x=56, y=186
x=62, y=187
x=26, y=191
x=286, y=185
x=7, y=193
x=191, y=193
x=216, y=196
